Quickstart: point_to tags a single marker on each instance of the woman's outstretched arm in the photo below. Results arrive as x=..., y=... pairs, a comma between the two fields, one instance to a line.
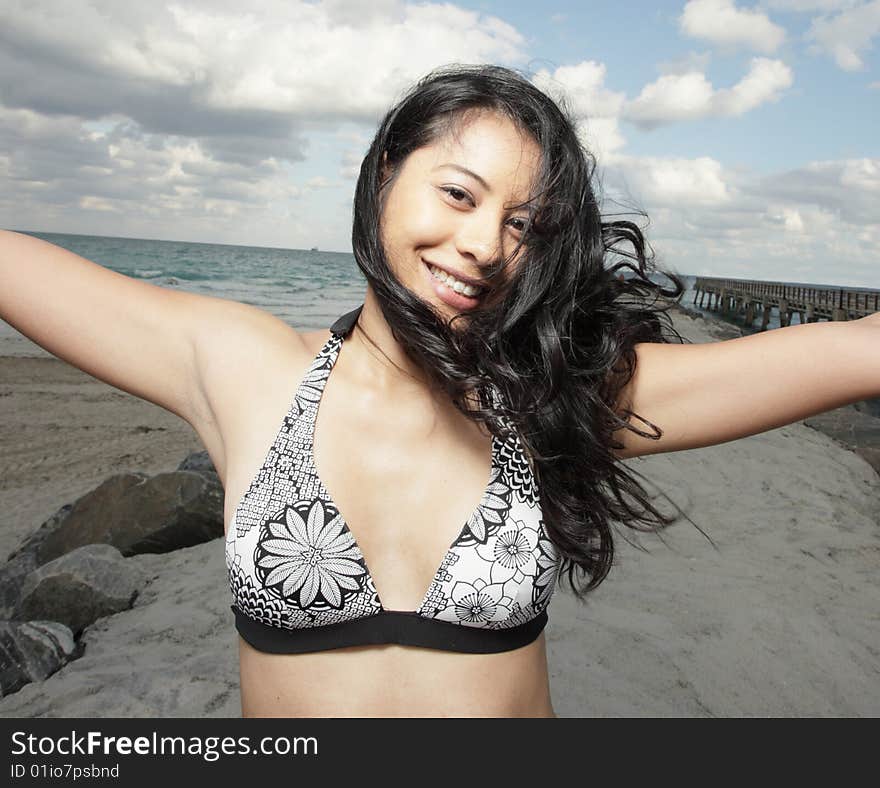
x=133, y=335
x=704, y=394
x=181, y=351
x=150, y=341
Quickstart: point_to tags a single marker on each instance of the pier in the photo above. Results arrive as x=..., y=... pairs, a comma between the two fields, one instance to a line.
x=752, y=298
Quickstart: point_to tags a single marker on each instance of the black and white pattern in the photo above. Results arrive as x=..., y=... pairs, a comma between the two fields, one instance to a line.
x=292, y=561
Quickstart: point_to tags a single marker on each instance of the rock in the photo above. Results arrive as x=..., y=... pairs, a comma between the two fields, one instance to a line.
x=200, y=462
x=12, y=575
x=173, y=654
x=33, y=542
x=80, y=587
x=140, y=514
x=869, y=406
x=24, y=560
x=720, y=329
x=853, y=428
x=871, y=456
x=32, y=651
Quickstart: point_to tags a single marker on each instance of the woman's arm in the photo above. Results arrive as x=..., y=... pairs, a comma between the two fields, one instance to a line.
x=705, y=394
x=150, y=341
x=133, y=335
x=181, y=351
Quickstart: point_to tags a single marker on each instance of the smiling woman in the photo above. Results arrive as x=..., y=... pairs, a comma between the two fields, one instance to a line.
x=419, y=503
x=478, y=178
x=396, y=526
x=444, y=223
x=491, y=325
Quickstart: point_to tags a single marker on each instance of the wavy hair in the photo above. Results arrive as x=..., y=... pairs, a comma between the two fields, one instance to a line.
x=555, y=333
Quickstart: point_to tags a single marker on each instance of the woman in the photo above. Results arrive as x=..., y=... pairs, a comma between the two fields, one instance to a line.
x=493, y=377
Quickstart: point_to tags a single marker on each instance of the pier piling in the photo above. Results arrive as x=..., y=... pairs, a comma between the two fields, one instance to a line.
x=748, y=298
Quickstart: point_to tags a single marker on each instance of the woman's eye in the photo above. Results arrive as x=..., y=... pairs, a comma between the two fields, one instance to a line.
x=459, y=195
x=518, y=223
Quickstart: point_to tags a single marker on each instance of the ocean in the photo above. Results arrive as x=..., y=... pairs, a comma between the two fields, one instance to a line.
x=306, y=289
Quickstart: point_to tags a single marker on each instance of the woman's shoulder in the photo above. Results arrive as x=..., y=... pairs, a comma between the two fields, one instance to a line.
x=244, y=355
x=235, y=333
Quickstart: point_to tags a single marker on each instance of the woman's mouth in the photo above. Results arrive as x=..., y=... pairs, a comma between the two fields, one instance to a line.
x=452, y=291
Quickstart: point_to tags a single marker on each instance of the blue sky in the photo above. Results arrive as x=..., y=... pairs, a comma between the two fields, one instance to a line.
x=746, y=131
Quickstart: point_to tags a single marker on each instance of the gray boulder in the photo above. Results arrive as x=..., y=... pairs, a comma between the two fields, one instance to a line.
x=12, y=575
x=80, y=587
x=200, y=462
x=137, y=513
x=24, y=560
x=869, y=406
x=32, y=542
x=32, y=651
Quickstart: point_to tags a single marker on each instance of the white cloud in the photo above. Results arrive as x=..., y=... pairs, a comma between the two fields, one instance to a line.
x=721, y=22
x=693, y=61
x=849, y=188
x=180, y=114
x=65, y=175
x=817, y=223
x=671, y=182
x=791, y=219
x=351, y=164
x=846, y=35
x=200, y=63
x=594, y=107
x=90, y=203
x=191, y=121
x=690, y=96
x=318, y=182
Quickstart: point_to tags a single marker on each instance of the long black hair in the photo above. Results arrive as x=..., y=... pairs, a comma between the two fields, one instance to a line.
x=556, y=337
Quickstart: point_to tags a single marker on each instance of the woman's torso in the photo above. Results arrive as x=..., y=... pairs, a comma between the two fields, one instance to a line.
x=406, y=472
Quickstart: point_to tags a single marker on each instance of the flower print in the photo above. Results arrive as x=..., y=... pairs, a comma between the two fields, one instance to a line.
x=519, y=615
x=491, y=512
x=519, y=472
x=478, y=603
x=545, y=582
x=511, y=551
x=314, y=557
x=309, y=391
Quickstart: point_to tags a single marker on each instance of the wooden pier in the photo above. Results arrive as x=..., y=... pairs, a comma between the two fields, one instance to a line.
x=752, y=298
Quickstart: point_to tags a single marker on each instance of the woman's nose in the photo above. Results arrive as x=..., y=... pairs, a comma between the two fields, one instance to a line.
x=478, y=239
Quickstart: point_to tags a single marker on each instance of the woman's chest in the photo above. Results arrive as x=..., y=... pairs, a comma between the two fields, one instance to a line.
x=399, y=473
x=378, y=517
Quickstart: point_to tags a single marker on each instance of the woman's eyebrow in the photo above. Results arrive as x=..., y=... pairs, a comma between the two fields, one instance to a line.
x=466, y=171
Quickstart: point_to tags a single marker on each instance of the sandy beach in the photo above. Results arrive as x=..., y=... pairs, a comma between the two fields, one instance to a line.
x=780, y=617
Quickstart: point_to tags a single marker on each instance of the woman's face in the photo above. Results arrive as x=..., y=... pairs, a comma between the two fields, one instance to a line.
x=451, y=210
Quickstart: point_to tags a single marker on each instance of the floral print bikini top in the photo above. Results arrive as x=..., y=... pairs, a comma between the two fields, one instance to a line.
x=299, y=581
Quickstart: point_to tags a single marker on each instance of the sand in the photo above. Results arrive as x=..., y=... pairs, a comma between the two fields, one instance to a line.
x=781, y=617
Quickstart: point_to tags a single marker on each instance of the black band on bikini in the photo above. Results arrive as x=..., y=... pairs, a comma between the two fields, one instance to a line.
x=389, y=626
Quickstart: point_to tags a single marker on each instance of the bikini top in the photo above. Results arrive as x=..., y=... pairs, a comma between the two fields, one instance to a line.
x=299, y=581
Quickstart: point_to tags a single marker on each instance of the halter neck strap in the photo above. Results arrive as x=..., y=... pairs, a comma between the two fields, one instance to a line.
x=346, y=322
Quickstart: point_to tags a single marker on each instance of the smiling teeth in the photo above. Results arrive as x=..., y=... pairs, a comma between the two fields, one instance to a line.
x=453, y=283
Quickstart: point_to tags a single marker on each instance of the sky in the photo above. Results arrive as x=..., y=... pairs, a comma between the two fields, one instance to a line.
x=742, y=138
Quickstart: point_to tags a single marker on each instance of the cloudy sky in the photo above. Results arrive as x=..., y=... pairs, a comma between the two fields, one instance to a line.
x=748, y=132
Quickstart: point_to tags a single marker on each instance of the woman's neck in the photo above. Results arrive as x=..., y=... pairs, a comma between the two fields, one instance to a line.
x=383, y=366
x=381, y=359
